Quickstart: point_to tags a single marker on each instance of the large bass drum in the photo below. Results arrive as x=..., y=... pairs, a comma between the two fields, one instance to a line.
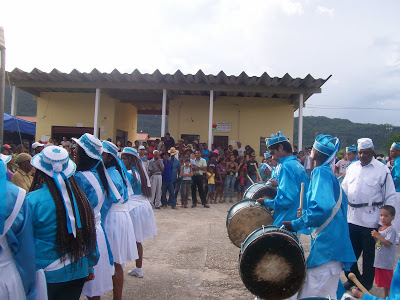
x=260, y=190
x=244, y=217
x=272, y=263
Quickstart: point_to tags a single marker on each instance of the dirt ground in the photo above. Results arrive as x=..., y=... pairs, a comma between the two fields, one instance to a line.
x=192, y=258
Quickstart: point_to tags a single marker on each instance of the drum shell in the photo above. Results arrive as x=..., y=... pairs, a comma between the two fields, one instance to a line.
x=236, y=236
x=260, y=190
x=266, y=242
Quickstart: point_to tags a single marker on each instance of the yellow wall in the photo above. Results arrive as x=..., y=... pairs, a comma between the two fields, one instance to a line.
x=251, y=118
x=69, y=109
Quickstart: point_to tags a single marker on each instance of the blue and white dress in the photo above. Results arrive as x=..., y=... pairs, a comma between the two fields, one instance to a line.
x=117, y=222
x=140, y=210
x=90, y=184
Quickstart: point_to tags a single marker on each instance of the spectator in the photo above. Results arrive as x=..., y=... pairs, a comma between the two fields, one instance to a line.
x=220, y=178
x=241, y=188
x=186, y=144
x=212, y=161
x=231, y=169
x=65, y=143
x=169, y=141
x=151, y=149
x=160, y=143
x=186, y=175
x=200, y=166
x=137, y=144
x=180, y=146
x=341, y=166
x=156, y=167
x=129, y=144
x=22, y=177
x=211, y=185
x=196, y=145
x=241, y=150
x=176, y=170
x=143, y=157
x=252, y=166
x=305, y=160
x=120, y=147
x=38, y=147
x=167, y=183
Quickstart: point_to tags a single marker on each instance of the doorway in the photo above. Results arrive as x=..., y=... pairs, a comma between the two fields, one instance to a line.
x=221, y=141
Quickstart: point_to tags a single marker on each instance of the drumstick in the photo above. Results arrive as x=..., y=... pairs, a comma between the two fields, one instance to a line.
x=252, y=182
x=301, y=199
x=353, y=278
x=258, y=173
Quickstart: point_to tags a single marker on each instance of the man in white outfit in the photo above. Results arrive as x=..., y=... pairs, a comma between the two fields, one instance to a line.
x=156, y=167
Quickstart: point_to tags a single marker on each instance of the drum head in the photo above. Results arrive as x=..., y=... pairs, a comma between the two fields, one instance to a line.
x=260, y=190
x=246, y=220
x=272, y=266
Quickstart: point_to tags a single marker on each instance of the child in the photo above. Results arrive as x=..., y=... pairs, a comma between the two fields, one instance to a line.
x=211, y=185
x=193, y=159
x=240, y=188
x=385, y=249
x=186, y=175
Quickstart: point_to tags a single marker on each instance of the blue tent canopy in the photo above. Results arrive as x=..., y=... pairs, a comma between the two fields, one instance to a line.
x=16, y=124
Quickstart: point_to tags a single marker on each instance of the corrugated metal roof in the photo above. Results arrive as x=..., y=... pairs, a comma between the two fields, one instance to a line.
x=146, y=89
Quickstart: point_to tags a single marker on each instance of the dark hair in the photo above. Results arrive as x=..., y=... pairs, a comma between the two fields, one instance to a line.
x=187, y=159
x=221, y=159
x=286, y=147
x=390, y=209
x=133, y=161
x=235, y=153
x=86, y=163
x=320, y=157
x=114, y=163
x=66, y=245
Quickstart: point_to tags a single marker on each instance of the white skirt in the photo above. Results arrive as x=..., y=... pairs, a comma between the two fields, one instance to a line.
x=143, y=221
x=121, y=236
x=10, y=281
x=103, y=271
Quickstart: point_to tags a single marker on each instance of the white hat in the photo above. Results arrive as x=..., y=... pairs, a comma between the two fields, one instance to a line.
x=365, y=143
x=5, y=158
x=141, y=148
x=91, y=145
x=109, y=147
x=37, y=144
x=130, y=150
x=52, y=160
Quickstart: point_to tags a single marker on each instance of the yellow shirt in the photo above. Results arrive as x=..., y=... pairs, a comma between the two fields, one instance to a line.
x=22, y=179
x=211, y=179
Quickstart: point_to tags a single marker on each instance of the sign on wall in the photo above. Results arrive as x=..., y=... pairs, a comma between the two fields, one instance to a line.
x=222, y=127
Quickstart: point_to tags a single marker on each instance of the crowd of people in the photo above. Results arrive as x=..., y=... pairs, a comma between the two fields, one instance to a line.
x=76, y=212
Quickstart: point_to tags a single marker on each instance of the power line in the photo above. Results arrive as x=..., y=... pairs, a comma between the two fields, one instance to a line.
x=343, y=107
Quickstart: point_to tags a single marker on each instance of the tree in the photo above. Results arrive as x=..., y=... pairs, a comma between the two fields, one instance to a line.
x=395, y=137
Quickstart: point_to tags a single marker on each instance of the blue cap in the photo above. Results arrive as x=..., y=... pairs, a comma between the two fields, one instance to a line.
x=396, y=145
x=327, y=145
x=274, y=139
x=110, y=148
x=130, y=150
x=352, y=148
x=267, y=155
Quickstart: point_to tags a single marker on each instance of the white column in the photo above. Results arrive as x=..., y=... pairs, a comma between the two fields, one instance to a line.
x=300, y=146
x=96, y=113
x=210, y=120
x=164, y=111
x=14, y=100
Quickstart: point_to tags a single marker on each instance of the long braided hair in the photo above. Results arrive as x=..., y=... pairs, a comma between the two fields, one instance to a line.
x=134, y=161
x=85, y=163
x=84, y=244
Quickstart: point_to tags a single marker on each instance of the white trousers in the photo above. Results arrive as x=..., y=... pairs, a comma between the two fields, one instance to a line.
x=322, y=281
x=156, y=182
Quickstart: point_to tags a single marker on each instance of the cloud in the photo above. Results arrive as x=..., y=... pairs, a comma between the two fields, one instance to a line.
x=326, y=11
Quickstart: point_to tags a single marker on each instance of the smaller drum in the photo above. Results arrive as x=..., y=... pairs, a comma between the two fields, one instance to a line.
x=272, y=263
x=260, y=190
x=244, y=217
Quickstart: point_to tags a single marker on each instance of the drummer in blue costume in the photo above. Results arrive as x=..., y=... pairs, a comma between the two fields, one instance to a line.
x=351, y=152
x=325, y=213
x=91, y=178
x=395, y=154
x=140, y=209
x=291, y=175
x=63, y=227
x=118, y=223
x=265, y=168
x=17, y=249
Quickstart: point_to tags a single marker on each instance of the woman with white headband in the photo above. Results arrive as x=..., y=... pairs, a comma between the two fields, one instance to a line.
x=63, y=227
x=91, y=177
x=117, y=223
x=17, y=249
x=139, y=206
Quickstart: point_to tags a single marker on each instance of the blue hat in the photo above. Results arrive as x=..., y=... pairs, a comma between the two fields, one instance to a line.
x=267, y=155
x=396, y=145
x=91, y=145
x=5, y=158
x=327, y=145
x=274, y=139
x=352, y=148
x=130, y=150
x=109, y=147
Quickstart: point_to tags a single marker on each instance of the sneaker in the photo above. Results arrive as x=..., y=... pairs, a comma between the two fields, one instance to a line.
x=206, y=206
x=194, y=205
x=135, y=273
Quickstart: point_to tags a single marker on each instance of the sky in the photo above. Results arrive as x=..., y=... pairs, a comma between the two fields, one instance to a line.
x=355, y=41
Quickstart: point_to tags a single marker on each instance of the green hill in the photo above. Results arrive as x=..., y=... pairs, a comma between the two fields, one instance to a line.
x=26, y=106
x=347, y=131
